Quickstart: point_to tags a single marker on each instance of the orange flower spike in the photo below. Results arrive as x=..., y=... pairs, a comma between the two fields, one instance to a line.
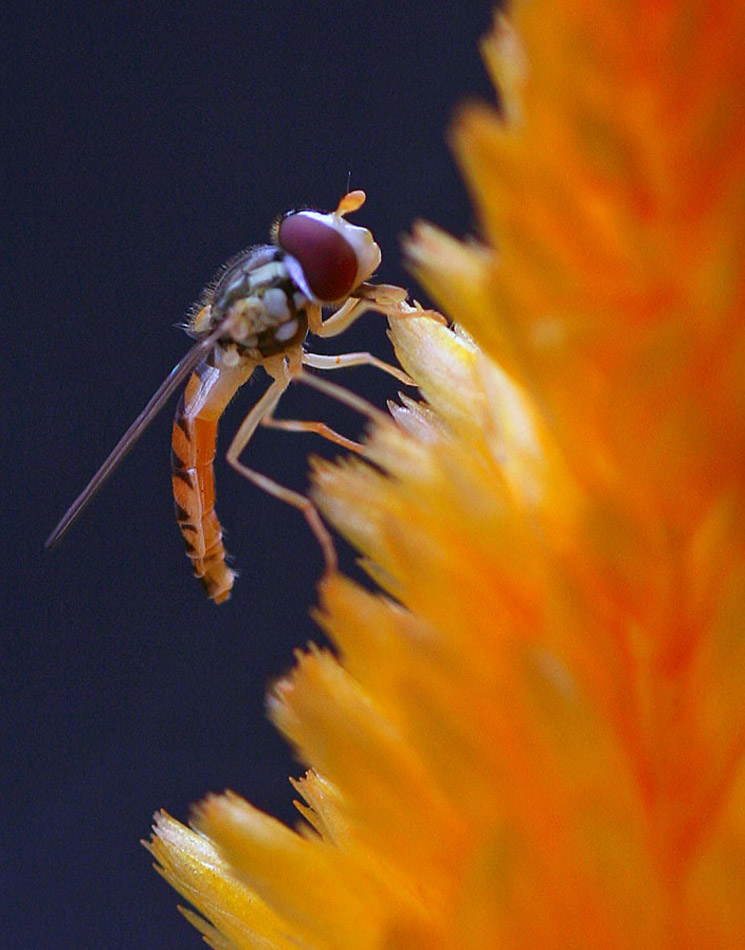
x=535, y=735
x=611, y=226
x=614, y=190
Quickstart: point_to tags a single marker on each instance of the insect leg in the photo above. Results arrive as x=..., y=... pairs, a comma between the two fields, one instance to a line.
x=340, y=361
x=345, y=360
x=318, y=428
x=242, y=437
x=383, y=298
x=345, y=396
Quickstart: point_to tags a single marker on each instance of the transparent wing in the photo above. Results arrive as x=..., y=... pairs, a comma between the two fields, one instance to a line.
x=164, y=392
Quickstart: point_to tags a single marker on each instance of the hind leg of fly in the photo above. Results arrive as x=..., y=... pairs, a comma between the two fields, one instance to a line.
x=263, y=408
x=263, y=414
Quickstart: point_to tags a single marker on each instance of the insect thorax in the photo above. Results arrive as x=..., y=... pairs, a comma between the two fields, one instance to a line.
x=265, y=310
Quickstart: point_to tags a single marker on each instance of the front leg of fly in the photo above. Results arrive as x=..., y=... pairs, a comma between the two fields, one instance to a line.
x=386, y=299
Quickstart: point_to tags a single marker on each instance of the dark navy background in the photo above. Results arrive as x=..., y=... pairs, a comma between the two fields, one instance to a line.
x=143, y=145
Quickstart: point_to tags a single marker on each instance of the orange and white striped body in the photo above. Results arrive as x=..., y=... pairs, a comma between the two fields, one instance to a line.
x=193, y=447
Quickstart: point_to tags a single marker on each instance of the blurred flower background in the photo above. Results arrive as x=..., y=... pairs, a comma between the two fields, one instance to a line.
x=533, y=734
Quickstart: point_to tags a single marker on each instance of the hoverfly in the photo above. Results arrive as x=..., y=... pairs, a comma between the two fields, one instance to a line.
x=258, y=312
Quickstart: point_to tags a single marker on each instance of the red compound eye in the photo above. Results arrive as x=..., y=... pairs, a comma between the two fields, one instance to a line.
x=326, y=257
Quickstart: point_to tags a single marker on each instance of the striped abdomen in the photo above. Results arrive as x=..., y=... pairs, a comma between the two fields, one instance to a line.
x=193, y=445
